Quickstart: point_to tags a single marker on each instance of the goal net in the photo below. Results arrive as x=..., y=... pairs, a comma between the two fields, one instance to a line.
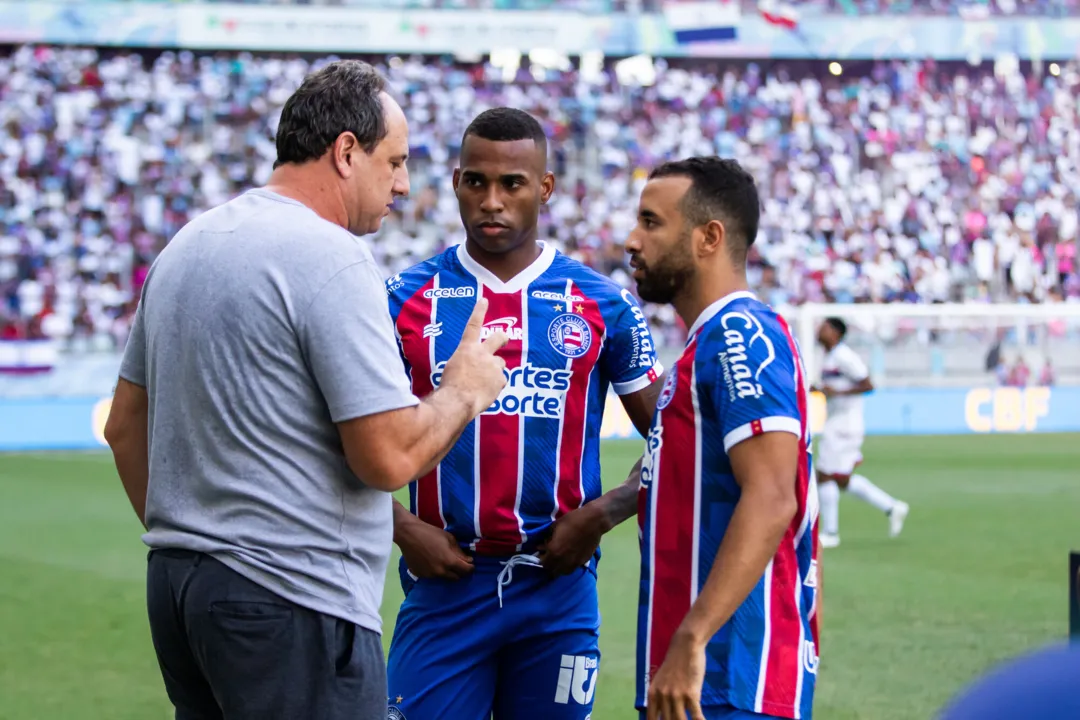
x=944, y=369
x=952, y=345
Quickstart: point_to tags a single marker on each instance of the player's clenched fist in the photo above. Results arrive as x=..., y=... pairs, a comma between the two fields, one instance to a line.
x=475, y=370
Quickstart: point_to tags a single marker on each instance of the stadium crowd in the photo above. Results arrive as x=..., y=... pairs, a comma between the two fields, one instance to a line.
x=967, y=8
x=904, y=183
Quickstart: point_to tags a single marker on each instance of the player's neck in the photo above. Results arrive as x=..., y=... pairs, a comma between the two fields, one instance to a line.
x=505, y=266
x=703, y=291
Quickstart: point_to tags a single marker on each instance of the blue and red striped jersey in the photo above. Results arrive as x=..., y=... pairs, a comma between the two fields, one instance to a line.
x=740, y=375
x=534, y=455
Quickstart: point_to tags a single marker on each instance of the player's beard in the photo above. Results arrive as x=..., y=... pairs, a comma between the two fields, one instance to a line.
x=661, y=282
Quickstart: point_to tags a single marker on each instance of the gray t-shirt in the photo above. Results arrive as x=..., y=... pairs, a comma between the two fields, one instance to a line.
x=260, y=326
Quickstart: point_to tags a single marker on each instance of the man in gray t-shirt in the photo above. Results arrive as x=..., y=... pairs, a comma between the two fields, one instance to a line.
x=263, y=416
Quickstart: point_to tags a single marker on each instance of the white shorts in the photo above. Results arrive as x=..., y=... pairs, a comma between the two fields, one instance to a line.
x=838, y=454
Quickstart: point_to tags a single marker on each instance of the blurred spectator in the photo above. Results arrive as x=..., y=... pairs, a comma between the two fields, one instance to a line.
x=905, y=182
x=1046, y=376
x=1018, y=376
x=1001, y=373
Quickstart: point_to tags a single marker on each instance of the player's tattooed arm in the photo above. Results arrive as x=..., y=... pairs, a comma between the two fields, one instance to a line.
x=576, y=535
x=620, y=504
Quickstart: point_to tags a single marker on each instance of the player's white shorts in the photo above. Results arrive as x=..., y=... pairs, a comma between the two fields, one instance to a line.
x=838, y=453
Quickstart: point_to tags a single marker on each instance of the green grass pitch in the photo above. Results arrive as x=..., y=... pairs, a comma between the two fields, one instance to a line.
x=977, y=576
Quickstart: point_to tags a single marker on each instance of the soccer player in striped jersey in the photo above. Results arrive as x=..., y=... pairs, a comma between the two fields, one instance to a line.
x=500, y=544
x=727, y=627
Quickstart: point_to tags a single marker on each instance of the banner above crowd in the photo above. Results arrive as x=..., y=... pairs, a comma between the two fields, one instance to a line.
x=774, y=31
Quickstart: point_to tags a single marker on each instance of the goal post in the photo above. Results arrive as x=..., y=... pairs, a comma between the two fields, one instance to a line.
x=949, y=345
x=943, y=369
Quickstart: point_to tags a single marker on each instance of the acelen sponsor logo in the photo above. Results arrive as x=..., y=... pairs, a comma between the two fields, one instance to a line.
x=557, y=297
x=449, y=293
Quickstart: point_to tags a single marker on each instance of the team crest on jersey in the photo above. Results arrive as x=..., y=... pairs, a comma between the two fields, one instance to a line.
x=393, y=713
x=570, y=335
x=667, y=393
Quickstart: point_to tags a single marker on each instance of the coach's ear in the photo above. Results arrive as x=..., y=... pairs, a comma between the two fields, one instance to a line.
x=345, y=146
x=457, y=178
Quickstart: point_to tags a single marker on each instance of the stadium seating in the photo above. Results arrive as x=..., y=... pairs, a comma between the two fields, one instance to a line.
x=894, y=182
x=967, y=8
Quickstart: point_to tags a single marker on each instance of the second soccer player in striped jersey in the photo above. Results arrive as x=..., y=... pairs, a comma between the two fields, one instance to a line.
x=500, y=546
x=727, y=628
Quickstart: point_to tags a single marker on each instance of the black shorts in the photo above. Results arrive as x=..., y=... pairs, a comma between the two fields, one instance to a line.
x=231, y=650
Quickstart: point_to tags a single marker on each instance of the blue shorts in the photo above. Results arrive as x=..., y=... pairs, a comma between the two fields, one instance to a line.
x=456, y=653
x=727, y=712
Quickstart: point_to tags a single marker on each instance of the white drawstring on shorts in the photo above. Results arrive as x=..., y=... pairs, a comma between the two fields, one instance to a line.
x=506, y=575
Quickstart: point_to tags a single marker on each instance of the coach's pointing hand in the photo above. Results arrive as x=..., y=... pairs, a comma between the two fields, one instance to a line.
x=475, y=369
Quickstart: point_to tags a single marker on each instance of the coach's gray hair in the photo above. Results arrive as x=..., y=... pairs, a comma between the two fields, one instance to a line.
x=341, y=97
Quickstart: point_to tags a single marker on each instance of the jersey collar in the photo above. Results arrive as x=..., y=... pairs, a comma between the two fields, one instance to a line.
x=517, y=283
x=710, y=312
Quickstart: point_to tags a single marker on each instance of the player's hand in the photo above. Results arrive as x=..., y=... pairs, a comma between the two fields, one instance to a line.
x=430, y=552
x=675, y=691
x=474, y=369
x=573, y=540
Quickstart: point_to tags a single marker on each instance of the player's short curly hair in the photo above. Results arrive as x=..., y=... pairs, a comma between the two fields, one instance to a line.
x=341, y=97
x=720, y=189
x=504, y=124
x=838, y=325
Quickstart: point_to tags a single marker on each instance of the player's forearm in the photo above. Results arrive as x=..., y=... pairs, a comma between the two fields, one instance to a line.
x=620, y=503
x=130, y=453
x=761, y=517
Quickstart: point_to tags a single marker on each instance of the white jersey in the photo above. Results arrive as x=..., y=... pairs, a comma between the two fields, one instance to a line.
x=842, y=370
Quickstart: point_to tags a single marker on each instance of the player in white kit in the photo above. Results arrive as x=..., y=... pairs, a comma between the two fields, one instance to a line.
x=844, y=380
